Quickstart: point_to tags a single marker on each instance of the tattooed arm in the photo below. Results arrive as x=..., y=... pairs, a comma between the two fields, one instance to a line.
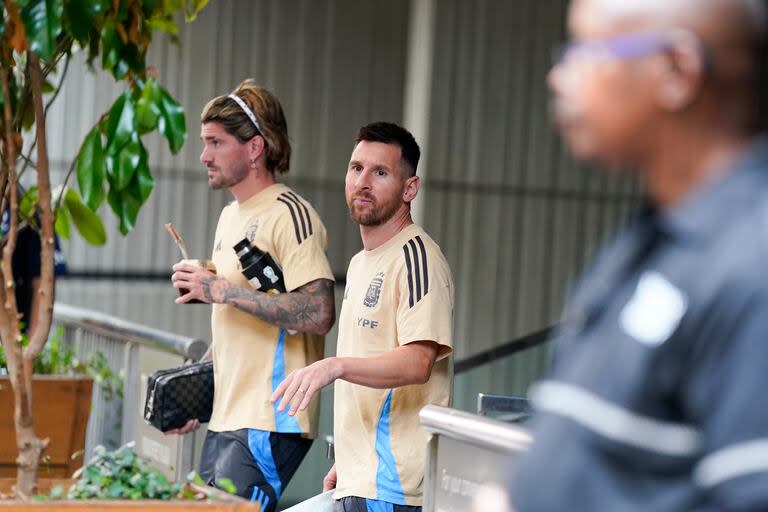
x=309, y=308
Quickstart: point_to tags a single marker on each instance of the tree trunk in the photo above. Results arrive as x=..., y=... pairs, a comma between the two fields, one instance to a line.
x=39, y=332
x=30, y=447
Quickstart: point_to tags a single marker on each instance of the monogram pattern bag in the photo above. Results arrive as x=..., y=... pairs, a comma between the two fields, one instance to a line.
x=177, y=395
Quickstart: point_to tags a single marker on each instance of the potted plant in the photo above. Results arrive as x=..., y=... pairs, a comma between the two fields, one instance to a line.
x=121, y=480
x=62, y=385
x=37, y=39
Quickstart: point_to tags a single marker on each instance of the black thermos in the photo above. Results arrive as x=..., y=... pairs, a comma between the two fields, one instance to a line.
x=259, y=268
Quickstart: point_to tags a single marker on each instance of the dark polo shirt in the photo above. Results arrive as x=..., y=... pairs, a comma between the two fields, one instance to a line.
x=658, y=395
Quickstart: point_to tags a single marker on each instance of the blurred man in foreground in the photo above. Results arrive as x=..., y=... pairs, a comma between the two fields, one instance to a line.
x=656, y=400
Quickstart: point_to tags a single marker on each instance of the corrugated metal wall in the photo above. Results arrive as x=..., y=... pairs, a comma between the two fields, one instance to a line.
x=514, y=215
x=334, y=64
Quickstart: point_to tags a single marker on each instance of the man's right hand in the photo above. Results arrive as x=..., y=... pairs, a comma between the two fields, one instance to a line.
x=195, y=281
x=329, y=482
x=191, y=426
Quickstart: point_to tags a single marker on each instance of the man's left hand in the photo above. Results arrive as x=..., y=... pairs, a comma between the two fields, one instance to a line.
x=300, y=386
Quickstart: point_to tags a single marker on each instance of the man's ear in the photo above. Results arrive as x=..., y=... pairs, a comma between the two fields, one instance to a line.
x=681, y=78
x=256, y=147
x=412, y=185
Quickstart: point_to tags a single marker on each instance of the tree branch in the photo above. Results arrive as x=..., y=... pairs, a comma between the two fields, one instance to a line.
x=9, y=323
x=39, y=334
x=28, y=157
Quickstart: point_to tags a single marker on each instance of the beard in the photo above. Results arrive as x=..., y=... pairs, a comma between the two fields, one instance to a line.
x=376, y=213
x=224, y=179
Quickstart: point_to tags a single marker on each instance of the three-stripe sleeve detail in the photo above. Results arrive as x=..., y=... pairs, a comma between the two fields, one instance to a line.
x=302, y=222
x=296, y=199
x=410, y=274
x=417, y=271
x=424, y=263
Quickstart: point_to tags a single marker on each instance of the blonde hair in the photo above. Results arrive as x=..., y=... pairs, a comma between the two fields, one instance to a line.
x=271, y=120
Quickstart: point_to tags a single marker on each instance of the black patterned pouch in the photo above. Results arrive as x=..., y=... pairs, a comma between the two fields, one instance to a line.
x=177, y=395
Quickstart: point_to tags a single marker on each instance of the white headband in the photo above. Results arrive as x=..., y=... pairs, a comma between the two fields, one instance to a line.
x=249, y=113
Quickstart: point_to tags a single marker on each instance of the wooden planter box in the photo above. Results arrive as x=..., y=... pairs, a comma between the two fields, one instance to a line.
x=225, y=502
x=60, y=407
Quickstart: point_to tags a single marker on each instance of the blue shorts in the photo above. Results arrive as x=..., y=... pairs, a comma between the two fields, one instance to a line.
x=260, y=464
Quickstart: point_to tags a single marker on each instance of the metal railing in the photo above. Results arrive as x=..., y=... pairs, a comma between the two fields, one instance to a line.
x=465, y=452
x=118, y=420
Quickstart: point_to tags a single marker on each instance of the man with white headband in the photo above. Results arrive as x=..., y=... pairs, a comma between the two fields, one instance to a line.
x=258, y=338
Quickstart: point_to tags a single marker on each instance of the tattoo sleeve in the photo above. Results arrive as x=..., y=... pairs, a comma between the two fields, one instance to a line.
x=309, y=308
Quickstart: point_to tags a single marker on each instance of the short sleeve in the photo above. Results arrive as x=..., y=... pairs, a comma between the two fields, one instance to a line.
x=726, y=393
x=300, y=242
x=425, y=302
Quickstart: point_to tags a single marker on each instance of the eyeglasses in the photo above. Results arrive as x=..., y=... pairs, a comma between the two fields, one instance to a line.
x=624, y=47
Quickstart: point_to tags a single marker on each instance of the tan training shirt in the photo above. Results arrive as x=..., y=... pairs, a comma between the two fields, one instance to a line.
x=397, y=293
x=252, y=357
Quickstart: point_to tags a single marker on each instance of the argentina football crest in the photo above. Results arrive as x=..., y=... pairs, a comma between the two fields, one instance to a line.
x=374, y=291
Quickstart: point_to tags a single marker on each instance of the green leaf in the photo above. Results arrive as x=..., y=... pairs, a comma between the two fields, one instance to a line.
x=193, y=7
x=195, y=478
x=28, y=204
x=172, y=123
x=62, y=224
x=125, y=206
x=42, y=19
x=110, y=46
x=122, y=167
x=121, y=123
x=148, y=107
x=121, y=68
x=90, y=169
x=87, y=222
x=142, y=183
x=133, y=58
x=28, y=116
x=115, y=490
x=148, y=7
x=48, y=87
x=164, y=24
x=80, y=17
x=226, y=484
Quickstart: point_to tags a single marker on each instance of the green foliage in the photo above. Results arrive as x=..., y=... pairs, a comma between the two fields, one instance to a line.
x=113, y=150
x=86, y=221
x=171, y=123
x=59, y=358
x=90, y=169
x=42, y=19
x=112, y=162
x=68, y=208
x=122, y=474
x=28, y=205
x=37, y=40
x=80, y=17
x=227, y=485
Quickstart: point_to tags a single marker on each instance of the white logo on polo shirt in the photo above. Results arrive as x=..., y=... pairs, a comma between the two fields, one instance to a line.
x=654, y=311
